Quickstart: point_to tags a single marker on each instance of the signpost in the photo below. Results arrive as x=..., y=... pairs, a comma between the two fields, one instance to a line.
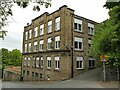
x=103, y=59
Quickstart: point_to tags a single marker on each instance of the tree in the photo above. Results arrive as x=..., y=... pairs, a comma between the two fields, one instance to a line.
x=107, y=36
x=11, y=58
x=6, y=11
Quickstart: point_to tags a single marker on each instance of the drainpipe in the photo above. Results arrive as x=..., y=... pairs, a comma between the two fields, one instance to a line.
x=72, y=66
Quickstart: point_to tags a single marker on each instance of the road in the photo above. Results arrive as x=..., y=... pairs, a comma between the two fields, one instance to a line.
x=86, y=80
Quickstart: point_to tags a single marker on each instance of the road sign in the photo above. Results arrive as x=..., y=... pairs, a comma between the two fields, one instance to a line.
x=103, y=58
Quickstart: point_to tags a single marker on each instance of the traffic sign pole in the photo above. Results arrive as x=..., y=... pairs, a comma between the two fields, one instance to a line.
x=104, y=72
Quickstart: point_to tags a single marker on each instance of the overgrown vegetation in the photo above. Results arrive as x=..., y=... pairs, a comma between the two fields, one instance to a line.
x=107, y=36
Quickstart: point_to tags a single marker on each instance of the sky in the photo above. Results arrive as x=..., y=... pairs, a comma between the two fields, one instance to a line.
x=90, y=9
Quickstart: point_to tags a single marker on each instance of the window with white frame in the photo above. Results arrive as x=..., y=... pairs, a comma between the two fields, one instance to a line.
x=48, y=62
x=29, y=47
x=57, y=42
x=79, y=62
x=57, y=63
x=78, y=25
x=78, y=43
x=25, y=61
x=35, y=46
x=89, y=43
x=41, y=45
x=30, y=34
x=91, y=62
x=41, y=62
x=37, y=61
x=50, y=26
x=57, y=26
x=42, y=29
x=33, y=63
x=35, y=31
x=26, y=35
x=29, y=61
x=49, y=46
x=90, y=28
x=25, y=48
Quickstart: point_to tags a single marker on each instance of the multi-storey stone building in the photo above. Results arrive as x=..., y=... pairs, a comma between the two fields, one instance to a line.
x=56, y=45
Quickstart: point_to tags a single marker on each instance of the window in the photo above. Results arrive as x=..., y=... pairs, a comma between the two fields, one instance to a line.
x=41, y=62
x=57, y=26
x=29, y=47
x=90, y=29
x=42, y=29
x=30, y=34
x=91, y=62
x=78, y=43
x=35, y=46
x=79, y=62
x=41, y=45
x=25, y=60
x=35, y=31
x=33, y=74
x=33, y=64
x=78, y=25
x=49, y=44
x=29, y=61
x=50, y=26
x=57, y=42
x=40, y=76
x=48, y=62
x=89, y=43
x=37, y=61
x=36, y=75
x=23, y=72
x=57, y=63
x=26, y=35
x=28, y=73
x=25, y=48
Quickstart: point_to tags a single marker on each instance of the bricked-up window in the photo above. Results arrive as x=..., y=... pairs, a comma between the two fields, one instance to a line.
x=49, y=46
x=26, y=35
x=50, y=26
x=91, y=62
x=89, y=43
x=34, y=63
x=79, y=62
x=35, y=46
x=57, y=25
x=78, y=25
x=37, y=61
x=41, y=62
x=90, y=29
x=25, y=48
x=25, y=61
x=57, y=63
x=42, y=29
x=48, y=62
x=30, y=34
x=29, y=47
x=41, y=45
x=57, y=42
x=35, y=31
x=29, y=61
x=78, y=43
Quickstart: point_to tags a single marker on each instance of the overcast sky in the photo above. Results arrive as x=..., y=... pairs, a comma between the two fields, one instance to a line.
x=91, y=9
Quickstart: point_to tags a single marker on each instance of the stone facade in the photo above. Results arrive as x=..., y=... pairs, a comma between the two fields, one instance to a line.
x=66, y=55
